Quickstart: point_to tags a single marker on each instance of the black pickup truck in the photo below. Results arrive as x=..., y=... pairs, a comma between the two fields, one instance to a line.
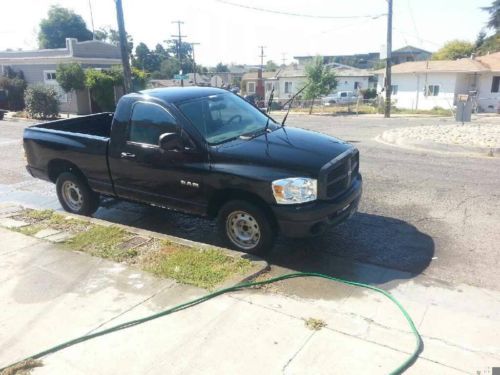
x=203, y=151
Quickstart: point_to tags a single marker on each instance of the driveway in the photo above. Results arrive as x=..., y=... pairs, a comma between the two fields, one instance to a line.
x=421, y=212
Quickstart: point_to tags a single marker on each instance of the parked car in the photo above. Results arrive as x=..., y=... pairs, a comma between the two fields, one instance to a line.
x=341, y=97
x=203, y=151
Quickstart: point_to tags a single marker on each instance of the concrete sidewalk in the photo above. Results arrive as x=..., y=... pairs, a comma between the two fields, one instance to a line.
x=49, y=295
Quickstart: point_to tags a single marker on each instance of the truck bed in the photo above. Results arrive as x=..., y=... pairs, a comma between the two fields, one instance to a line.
x=98, y=124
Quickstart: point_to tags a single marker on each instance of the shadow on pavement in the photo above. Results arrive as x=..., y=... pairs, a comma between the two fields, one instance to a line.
x=368, y=248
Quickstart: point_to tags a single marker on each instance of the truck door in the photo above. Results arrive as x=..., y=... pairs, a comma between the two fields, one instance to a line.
x=143, y=171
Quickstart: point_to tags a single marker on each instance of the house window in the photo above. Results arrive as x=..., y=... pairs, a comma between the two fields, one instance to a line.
x=251, y=87
x=432, y=90
x=495, y=84
x=288, y=87
x=394, y=89
x=49, y=75
x=357, y=85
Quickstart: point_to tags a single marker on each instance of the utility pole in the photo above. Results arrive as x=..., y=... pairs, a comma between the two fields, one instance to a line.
x=194, y=60
x=127, y=81
x=179, y=46
x=283, y=58
x=262, y=56
x=387, y=110
x=260, y=90
x=92, y=19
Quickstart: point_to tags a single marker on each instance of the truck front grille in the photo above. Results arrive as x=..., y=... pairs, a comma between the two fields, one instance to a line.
x=337, y=175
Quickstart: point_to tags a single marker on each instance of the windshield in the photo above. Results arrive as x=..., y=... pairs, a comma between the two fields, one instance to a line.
x=220, y=118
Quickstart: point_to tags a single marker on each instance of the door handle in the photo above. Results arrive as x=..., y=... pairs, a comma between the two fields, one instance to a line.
x=127, y=155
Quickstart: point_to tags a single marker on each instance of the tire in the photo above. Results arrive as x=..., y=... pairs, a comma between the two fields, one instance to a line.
x=75, y=195
x=246, y=227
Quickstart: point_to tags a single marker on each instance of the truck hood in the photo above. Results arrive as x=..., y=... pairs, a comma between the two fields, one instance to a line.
x=287, y=148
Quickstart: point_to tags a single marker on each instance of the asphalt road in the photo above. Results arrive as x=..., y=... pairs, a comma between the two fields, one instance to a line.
x=421, y=212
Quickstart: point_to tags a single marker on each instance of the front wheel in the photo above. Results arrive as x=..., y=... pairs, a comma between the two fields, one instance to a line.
x=246, y=227
x=75, y=195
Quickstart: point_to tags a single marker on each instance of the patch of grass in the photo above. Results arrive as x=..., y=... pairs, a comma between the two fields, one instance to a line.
x=38, y=215
x=22, y=368
x=436, y=111
x=103, y=242
x=30, y=230
x=202, y=268
x=315, y=324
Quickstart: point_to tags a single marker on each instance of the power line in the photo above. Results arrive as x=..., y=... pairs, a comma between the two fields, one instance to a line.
x=284, y=13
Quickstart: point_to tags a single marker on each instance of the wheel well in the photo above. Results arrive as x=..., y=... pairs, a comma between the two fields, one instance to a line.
x=221, y=197
x=58, y=166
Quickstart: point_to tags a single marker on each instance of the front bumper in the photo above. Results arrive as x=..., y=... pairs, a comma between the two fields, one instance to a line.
x=314, y=218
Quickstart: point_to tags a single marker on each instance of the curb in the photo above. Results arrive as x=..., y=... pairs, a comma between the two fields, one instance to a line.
x=259, y=265
x=437, y=147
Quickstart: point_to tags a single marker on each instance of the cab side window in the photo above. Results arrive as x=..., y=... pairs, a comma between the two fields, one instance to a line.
x=148, y=122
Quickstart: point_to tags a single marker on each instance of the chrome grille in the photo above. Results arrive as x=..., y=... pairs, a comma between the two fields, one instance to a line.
x=337, y=175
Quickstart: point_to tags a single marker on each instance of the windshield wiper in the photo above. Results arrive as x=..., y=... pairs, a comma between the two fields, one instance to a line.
x=289, y=102
x=254, y=134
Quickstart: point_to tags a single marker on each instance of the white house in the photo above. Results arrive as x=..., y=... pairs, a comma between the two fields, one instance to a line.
x=288, y=80
x=429, y=84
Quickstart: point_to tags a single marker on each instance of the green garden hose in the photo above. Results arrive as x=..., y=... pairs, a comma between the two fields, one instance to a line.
x=401, y=368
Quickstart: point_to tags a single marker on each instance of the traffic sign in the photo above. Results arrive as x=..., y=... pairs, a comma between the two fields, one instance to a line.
x=178, y=77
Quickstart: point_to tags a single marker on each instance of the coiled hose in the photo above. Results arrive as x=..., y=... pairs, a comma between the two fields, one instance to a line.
x=400, y=369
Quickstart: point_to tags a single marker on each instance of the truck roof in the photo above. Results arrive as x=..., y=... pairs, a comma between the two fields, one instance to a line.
x=179, y=94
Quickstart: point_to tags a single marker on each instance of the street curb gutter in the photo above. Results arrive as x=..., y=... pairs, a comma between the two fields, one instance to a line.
x=259, y=265
x=437, y=147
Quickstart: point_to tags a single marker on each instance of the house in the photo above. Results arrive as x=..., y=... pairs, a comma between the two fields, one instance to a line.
x=39, y=67
x=368, y=60
x=192, y=80
x=289, y=80
x=437, y=83
x=409, y=53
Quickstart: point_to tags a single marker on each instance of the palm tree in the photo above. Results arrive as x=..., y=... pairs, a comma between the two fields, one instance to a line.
x=494, y=11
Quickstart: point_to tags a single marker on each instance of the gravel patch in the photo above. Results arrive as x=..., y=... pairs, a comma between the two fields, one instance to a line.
x=474, y=135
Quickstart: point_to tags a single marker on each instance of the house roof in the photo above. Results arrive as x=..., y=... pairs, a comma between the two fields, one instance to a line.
x=254, y=75
x=299, y=71
x=492, y=61
x=442, y=66
x=410, y=49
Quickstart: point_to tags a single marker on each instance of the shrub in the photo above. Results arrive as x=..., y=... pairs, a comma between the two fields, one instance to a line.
x=369, y=93
x=101, y=86
x=41, y=102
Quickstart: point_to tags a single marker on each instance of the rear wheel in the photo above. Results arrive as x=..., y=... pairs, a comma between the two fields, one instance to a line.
x=246, y=227
x=75, y=195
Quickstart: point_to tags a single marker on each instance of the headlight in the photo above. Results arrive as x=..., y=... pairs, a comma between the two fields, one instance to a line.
x=294, y=190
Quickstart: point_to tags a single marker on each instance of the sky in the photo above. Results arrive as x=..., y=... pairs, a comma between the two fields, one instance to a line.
x=232, y=34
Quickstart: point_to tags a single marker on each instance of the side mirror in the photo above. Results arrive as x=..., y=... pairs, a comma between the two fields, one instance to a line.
x=170, y=142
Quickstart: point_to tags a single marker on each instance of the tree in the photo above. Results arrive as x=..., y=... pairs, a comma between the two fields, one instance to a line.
x=169, y=68
x=271, y=66
x=147, y=60
x=14, y=83
x=320, y=80
x=454, y=49
x=61, y=23
x=494, y=11
x=70, y=77
x=490, y=44
x=185, y=51
x=480, y=39
x=221, y=68
x=101, y=85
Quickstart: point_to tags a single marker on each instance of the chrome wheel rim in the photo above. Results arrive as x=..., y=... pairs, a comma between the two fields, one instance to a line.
x=72, y=195
x=243, y=230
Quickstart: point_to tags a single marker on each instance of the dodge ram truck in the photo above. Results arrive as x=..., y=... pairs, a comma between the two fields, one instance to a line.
x=203, y=151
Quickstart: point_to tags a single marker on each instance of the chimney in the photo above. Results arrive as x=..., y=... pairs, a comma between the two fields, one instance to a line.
x=70, y=45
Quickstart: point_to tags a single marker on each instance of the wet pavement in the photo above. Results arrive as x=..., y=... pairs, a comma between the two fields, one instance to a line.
x=427, y=213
